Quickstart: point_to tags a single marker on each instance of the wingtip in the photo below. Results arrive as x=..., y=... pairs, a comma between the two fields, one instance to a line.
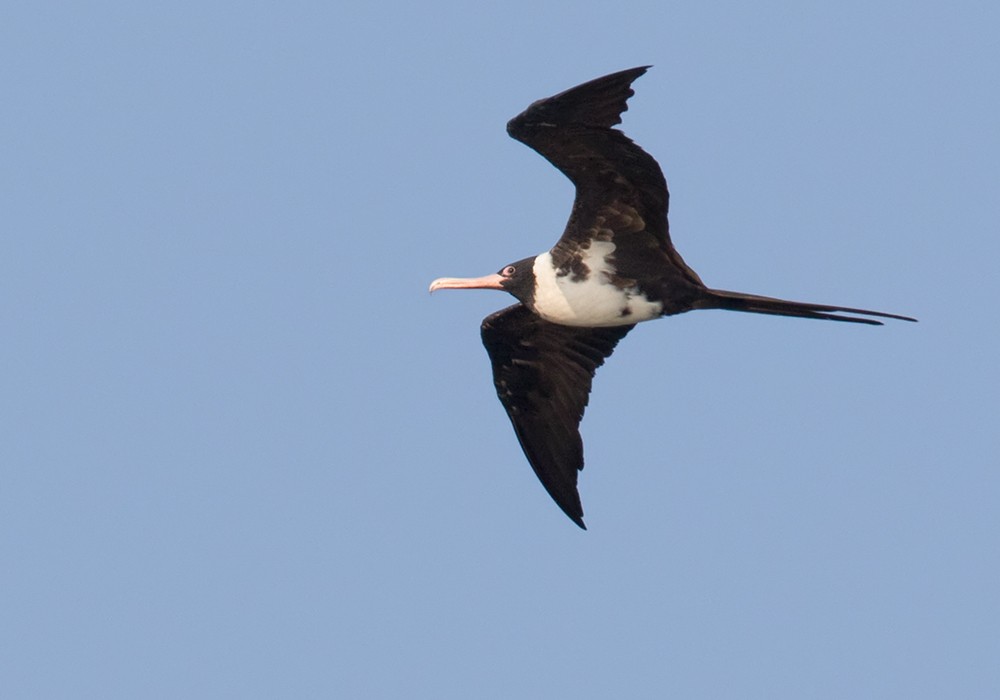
x=634, y=73
x=599, y=102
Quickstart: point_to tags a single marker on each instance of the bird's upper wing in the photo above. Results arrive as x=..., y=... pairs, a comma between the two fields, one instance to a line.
x=620, y=189
x=543, y=373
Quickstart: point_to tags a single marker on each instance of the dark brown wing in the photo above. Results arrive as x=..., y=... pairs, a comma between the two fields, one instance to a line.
x=543, y=373
x=620, y=189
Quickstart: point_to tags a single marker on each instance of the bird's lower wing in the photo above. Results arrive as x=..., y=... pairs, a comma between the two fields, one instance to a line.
x=543, y=374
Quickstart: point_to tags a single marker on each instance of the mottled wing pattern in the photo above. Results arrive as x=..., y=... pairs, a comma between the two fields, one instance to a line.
x=621, y=194
x=543, y=374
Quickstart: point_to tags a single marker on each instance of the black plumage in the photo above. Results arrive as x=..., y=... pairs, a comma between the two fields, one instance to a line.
x=543, y=372
x=579, y=299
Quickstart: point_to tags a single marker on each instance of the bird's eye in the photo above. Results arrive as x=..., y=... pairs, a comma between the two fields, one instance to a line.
x=508, y=271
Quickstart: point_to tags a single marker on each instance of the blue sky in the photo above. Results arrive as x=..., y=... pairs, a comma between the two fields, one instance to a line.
x=244, y=453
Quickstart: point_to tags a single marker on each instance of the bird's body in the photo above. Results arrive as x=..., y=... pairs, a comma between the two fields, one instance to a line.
x=613, y=267
x=595, y=300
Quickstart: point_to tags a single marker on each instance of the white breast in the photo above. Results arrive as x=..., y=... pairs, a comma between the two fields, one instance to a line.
x=591, y=302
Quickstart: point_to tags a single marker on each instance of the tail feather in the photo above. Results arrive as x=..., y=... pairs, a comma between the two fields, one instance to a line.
x=737, y=301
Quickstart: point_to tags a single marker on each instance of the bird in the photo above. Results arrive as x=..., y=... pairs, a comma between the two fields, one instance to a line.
x=613, y=267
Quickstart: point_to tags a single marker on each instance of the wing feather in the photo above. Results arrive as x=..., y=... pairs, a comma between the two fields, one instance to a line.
x=543, y=374
x=621, y=194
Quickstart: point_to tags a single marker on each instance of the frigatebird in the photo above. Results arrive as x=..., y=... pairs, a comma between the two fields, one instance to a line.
x=613, y=267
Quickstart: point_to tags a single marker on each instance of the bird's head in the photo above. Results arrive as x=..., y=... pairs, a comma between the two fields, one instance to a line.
x=517, y=279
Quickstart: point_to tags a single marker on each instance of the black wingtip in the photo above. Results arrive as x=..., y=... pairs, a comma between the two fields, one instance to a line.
x=569, y=505
x=578, y=520
x=597, y=103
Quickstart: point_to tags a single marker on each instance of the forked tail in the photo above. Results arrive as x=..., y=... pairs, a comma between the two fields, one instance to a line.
x=737, y=301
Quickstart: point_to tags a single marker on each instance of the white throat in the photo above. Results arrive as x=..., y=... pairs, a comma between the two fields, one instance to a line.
x=592, y=302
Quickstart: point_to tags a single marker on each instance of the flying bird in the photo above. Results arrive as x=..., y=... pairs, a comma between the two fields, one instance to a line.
x=613, y=267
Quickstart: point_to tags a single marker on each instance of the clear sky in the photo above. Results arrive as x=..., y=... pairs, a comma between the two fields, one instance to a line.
x=243, y=453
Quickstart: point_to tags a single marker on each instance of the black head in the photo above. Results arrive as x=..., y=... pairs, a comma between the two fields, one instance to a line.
x=518, y=279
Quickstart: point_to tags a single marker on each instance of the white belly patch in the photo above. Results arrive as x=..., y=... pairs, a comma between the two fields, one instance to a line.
x=594, y=301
